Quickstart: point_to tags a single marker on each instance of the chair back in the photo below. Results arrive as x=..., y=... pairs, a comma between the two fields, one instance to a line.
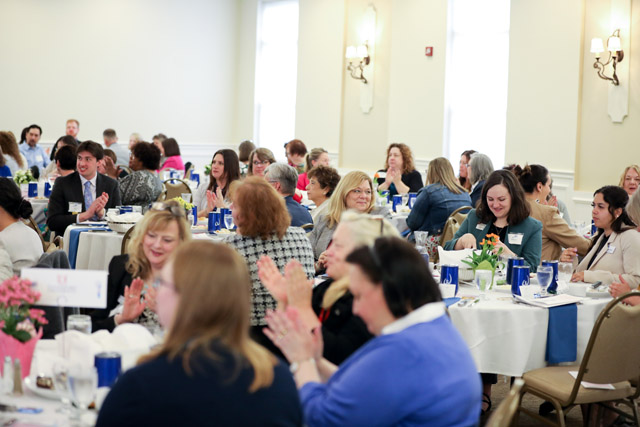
x=453, y=223
x=127, y=169
x=188, y=168
x=32, y=224
x=613, y=350
x=173, y=187
x=506, y=411
x=125, y=240
x=307, y=227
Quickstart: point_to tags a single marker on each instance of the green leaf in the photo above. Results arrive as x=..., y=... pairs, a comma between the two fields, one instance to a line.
x=22, y=336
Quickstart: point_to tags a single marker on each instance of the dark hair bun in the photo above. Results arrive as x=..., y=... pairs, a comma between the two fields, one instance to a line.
x=25, y=209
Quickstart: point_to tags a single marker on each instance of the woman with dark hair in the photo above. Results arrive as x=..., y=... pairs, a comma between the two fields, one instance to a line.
x=263, y=224
x=436, y=201
x=225, y=169
x=316, y=157
x=323, y=180
x=14, y=158
x=556, y=233
x=296, y=150
x=416, y=371
x=244, y=151
x=142, y=187
x=615, y=249
x=51, y=171
x=259, y=159
x=463, y=178
x=207, y=371
x=399, y=176
x=504, y=211
x=21, y=242
x=171, y=152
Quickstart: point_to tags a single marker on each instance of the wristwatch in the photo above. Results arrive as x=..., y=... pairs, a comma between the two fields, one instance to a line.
x=296, y=365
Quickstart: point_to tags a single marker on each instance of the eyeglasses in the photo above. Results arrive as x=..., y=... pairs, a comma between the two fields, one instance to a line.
x=263, y=163
x=175, y=210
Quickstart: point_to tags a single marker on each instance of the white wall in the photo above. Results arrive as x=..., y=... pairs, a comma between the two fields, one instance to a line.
x=144, y=66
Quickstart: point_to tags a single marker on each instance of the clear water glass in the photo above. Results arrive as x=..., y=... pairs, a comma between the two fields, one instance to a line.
x=483, y=281
x=61, y=386
x=83, y=384
x=186, y=197
x=565, y=271
x=545, y=275
x=228, y=221
x=405, y=199
x=421, y=238
x=79, y=322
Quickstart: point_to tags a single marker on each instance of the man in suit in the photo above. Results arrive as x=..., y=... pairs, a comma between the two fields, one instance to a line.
x=284, y=179
x=83, y=195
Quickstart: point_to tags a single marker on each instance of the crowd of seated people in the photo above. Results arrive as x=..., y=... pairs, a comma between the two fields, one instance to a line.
x=345, y=335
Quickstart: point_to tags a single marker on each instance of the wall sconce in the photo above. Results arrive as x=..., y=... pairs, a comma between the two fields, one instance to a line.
x=616, y=54
x=358, y=59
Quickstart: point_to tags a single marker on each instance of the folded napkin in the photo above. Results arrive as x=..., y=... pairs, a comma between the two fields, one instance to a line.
x=129, y=217
x=562, y=334
x=454, y=257
x=74, y=236
x=130, y=340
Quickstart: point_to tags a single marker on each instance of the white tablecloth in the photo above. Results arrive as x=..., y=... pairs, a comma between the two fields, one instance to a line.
x=96, y=248
x=510, y=339
x=399, y=221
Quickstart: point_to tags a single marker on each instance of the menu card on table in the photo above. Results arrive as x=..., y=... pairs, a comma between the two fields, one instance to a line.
x=552, y=301
x=69, y=288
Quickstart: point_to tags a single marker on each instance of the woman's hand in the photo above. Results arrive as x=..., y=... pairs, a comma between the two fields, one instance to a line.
x=298, y=286
x=110, y=168
x=132, y=306
x=322, y=261
x=150, y=298
x=272, y=279
x=467, y=241
x=287, y=331
x=617, y=289
x=568, y=254
x=212, y=200
x=505, y=250
x=220, y=199
x=391, y=176
x=578, y=276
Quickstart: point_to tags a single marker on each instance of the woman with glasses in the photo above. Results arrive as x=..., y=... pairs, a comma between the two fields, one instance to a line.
x=328, y=305
x=259, y=159
x=399, y=175
x=263, y=222
x=207, y=371
x=131, y=293
x=479, y=169
x=463, y=177
x=417, y=371
x=353, y=192
x=142, y=187
x=225, y=170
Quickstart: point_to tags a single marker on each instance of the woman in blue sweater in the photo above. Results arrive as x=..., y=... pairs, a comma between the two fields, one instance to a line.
x=417, y=371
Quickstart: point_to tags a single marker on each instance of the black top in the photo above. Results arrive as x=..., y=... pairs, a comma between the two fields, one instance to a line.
x=501, y=233
x=476, y=194
x=342, y=332
x=119, y=277
x=68, y=189
x=161, y=393
x=603, y=241
x=413, y=180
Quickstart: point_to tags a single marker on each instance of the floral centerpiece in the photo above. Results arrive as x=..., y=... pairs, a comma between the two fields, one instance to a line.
x=207, y=170
x=188, y=207
x=24, y=177
x=486, y=259
x=21, y=325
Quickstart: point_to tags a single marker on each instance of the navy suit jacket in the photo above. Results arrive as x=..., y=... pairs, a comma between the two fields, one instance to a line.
x=299, y=214
x=68, y=189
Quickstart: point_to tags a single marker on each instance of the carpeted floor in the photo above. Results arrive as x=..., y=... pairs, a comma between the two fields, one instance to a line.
x=500, y=391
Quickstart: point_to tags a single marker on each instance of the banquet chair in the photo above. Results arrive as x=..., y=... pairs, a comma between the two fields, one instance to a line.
x=188, y=168
x=611, y=357
x=125, y=241
x=508, y=408
x=307, y=227
x=46, y=246
x=173, y=187
x=127, y=169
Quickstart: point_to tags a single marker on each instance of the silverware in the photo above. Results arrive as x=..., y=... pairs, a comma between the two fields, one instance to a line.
x=596, y=284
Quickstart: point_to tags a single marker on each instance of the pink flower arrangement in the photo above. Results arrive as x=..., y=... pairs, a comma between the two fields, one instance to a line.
x=17, y=318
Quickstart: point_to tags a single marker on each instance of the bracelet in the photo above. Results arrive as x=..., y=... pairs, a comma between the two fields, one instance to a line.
x=296, y=365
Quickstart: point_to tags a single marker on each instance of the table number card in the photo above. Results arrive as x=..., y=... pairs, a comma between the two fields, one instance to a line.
x=69, y=288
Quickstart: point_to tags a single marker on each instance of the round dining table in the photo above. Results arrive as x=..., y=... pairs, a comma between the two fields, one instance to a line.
x=510, y=338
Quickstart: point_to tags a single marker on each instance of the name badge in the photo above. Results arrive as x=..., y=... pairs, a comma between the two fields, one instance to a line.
x=39, y=159
x=515, y=238
x=480, y=226
x=611, y=249
x=75, y=207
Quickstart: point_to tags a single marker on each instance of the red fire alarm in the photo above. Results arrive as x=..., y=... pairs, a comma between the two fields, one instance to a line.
x=428, y=51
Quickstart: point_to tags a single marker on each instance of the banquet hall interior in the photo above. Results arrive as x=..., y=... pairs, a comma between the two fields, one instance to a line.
x=514, y=79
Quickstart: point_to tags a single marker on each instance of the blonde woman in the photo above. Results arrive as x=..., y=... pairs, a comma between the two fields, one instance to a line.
x=329, y=304
x=14, y=158
x=354, y=191
x=436, y=201
x=152, y=242
x=207, y=371
x=630, y=179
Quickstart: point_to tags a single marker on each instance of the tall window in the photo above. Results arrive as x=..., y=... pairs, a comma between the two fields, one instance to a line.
x=276, y=73
x=476, y=79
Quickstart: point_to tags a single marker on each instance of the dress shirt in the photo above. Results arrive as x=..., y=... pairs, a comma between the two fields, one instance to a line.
x=122, y=154
x=93, y=191
x=35, y=156
x=426, y=313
